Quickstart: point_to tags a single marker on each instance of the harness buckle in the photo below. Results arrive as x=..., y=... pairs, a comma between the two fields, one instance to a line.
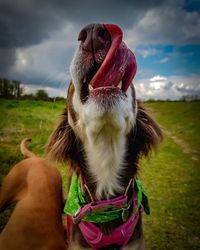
x=81, y=213
x=125, y=212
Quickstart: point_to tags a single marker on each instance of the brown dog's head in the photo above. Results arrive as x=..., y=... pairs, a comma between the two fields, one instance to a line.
x=102, y=129
x=101, y=71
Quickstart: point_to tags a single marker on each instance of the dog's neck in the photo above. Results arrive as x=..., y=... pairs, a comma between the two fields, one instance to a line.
x=104, y=139
x=105, y=149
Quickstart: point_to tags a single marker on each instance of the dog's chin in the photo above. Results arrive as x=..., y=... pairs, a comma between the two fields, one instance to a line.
x=104, y=97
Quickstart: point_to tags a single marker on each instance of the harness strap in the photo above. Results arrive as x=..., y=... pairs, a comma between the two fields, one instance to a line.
x=120, y=236
x=99, y=206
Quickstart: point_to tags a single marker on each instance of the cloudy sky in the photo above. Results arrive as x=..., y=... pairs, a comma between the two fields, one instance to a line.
x=38, y=39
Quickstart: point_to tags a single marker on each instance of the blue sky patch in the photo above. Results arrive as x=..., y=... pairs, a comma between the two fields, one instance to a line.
x=168, y=60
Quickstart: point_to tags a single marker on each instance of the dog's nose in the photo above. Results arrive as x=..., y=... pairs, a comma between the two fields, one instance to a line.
x=94, y=37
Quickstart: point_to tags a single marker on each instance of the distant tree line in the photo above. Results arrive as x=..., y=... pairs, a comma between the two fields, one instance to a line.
x=13, y=89
x=10, y=88
x=190, y=98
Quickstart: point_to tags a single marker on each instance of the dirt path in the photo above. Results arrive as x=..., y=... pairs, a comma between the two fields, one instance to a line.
x=185, y=146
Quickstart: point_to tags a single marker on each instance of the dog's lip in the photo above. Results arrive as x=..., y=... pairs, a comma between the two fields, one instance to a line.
x=102, y=88
x=112, y=87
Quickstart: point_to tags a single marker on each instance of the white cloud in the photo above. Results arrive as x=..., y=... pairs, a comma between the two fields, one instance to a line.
x=52, y=92
x=164, y=60
x=159, y=82
x=158, y=78
x=172, y=87
x=147, y=52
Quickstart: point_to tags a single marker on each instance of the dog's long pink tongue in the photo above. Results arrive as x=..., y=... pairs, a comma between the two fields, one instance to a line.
x=118, y=65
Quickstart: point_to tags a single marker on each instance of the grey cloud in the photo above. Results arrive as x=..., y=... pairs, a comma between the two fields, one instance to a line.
x=45, y=64
x=189, y=90
x=28, y=22
x=168, y=23
x=7, y=59
x=168, y=85
x=24, y=23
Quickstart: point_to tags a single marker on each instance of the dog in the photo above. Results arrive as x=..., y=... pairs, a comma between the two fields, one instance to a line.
x=102, y=134
x=36, y=222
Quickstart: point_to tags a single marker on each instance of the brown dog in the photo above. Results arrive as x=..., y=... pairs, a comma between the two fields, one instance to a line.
x=102, y=134
x=36, y=222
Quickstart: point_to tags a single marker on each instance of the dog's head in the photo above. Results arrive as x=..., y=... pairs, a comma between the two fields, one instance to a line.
x=102, y=124
x=102, y=70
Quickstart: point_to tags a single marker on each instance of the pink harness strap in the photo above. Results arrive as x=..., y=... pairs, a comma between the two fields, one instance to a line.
x=120, y=236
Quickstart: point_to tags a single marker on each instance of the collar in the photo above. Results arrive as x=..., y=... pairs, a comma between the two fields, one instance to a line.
x=103, y=210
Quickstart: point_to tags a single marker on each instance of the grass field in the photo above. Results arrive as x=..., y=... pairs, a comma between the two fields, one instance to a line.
x=171, y=177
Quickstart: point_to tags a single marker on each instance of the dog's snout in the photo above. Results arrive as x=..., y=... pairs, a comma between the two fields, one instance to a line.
x=94, y=37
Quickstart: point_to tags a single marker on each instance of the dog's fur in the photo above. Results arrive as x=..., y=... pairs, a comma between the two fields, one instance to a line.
x=103, y=138
x=36, y=222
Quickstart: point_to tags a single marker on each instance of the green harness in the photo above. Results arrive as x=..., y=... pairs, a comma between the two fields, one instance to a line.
x=76, y=201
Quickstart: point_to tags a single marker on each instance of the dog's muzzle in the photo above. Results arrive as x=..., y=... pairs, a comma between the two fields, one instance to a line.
x=110, y=64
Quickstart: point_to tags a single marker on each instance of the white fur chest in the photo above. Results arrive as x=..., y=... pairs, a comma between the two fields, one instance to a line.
x=105, y=148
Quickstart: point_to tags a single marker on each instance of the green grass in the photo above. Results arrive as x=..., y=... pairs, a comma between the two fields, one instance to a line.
x=171, y=177
x=20, y=119
x=180, y=118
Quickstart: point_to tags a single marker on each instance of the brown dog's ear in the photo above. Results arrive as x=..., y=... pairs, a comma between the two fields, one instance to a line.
x=62, y=139
x=148, y=132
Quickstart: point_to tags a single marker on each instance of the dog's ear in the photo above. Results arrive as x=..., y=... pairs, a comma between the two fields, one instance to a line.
x=148, y=133
x=62, y=139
